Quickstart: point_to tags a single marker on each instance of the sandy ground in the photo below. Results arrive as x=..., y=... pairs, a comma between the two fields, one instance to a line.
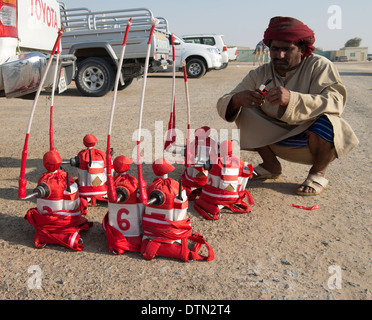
x=276, y=252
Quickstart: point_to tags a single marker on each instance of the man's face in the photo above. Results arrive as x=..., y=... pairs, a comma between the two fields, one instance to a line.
x=285, y=56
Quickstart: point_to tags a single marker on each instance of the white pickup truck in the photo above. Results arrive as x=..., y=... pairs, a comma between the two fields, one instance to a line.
x=232, y=53
x=96, y=38
x=28, y=32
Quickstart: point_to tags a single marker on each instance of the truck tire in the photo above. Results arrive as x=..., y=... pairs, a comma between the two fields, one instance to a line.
x=95, y=77
x=126, y=84
x=224, y=66
x=195, y=68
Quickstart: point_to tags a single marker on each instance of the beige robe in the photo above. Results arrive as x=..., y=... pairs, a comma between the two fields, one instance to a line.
x=315, y=89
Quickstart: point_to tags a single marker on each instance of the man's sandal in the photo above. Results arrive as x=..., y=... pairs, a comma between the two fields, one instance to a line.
x=316, y=182
x=261, y=173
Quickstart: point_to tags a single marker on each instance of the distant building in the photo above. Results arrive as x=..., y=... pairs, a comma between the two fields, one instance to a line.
x=353, y=53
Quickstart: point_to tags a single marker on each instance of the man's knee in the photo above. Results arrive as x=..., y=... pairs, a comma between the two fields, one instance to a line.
x=317, y=141
x=296, y=155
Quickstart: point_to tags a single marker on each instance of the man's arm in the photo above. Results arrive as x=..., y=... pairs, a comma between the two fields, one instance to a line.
x=244, y=99
x=326, y=94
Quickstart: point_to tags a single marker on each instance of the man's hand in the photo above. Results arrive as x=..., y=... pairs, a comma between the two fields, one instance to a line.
x=245, y=99
x=248, y=99
x=278, y=96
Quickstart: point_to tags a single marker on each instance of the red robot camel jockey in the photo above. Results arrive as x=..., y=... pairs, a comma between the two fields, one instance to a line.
x=162, y=227
x=214, y=182
x=152, y=221
x=91, y=164
x=216, y=178
x=58, y=216
x=123, y=222
x=167, y=227
x=203, y=152
x=226, y=185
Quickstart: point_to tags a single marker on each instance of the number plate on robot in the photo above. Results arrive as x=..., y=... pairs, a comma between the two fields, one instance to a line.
x=62, y=86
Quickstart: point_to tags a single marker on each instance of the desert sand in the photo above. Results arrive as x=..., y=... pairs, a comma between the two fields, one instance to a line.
x=275, y=252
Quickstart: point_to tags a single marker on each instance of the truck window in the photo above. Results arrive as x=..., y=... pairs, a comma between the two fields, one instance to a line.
x=209, y=41
x=193, y=40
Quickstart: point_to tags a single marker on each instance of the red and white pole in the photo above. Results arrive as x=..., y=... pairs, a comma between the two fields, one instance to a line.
x=110, y=180
x=188, y=141
x=141, y=182
x=51, y=135
x=22, y=183
x=172, y=118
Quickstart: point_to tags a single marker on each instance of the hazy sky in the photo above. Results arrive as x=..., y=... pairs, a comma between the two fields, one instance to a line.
x=243, y=22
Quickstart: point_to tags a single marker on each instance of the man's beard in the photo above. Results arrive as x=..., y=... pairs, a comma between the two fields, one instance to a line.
x=281, y=63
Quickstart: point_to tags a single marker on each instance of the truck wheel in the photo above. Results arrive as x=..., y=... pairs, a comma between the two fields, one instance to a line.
x=224, y=66
x=95, y=77
x=127, y=82
x=195, y=68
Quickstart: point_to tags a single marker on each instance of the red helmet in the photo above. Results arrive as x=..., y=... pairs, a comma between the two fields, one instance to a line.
x=52, y=161
x=161, y=167
x=89, y=140
x=122, y=164
x=205, y=130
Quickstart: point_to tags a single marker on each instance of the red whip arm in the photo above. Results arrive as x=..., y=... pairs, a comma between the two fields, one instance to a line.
x=188, y=148
x=127, y=32
x=173, y=49
x=151, y=33
x=56, y=45
x=111, y=192
x=141, y=183
x=22, y=181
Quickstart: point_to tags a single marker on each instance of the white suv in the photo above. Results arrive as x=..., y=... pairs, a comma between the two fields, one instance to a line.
x=215, y=40
x=199, y=58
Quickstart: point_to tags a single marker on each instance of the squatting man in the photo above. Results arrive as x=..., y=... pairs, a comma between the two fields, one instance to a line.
x=299, y=118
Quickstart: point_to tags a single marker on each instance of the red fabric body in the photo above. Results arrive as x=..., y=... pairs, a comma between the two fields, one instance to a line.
x=176, y=230
x=211, y=197
x=56, y=182
x=231, y=162
x=232, y=200
x=94, y=192
x=129, y=183
x=117, y=242
x=97, y=155
x=189, y=182
x=168, y=187
x=60, y=229
x=165, y=231
x=63, y=226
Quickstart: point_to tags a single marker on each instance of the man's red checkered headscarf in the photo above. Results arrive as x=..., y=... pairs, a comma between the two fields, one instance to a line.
x=292, y=30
